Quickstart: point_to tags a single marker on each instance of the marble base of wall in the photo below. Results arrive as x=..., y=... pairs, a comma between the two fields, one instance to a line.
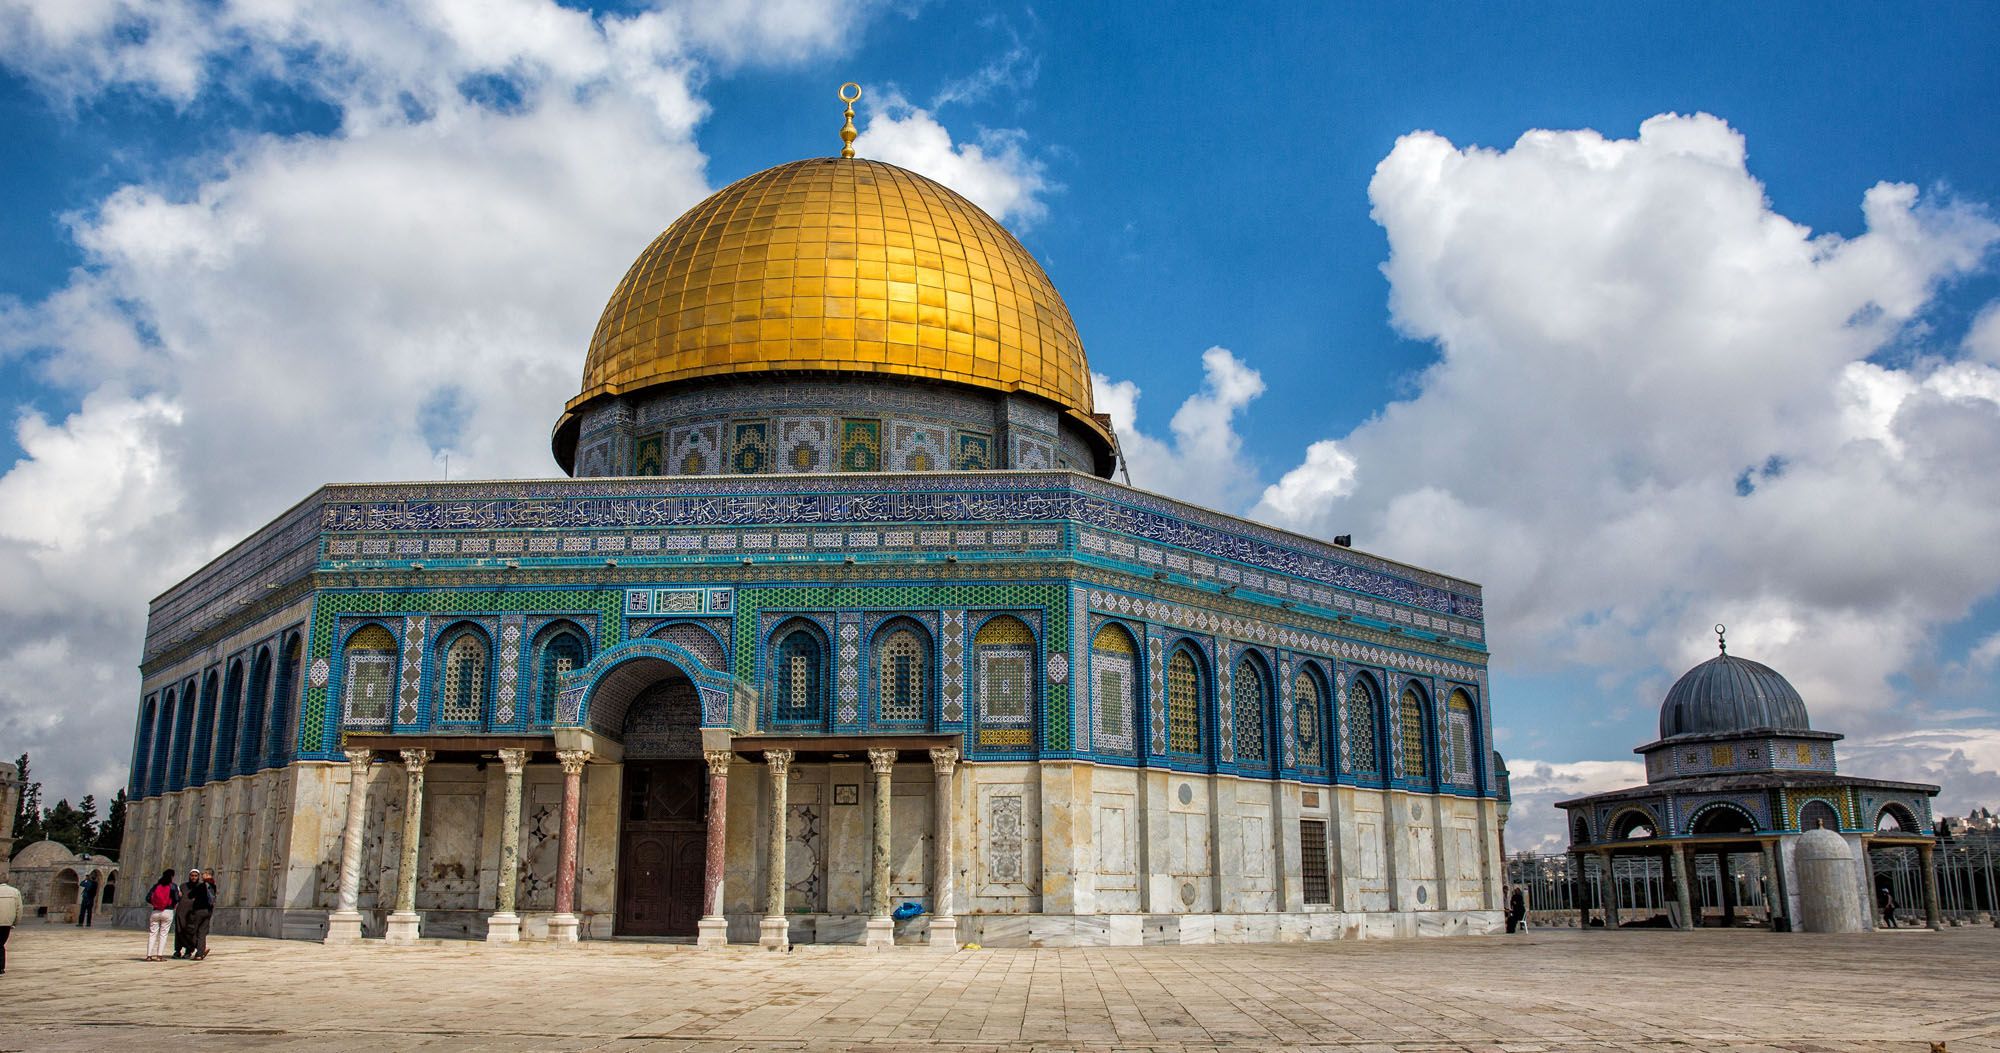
x=1114, y=930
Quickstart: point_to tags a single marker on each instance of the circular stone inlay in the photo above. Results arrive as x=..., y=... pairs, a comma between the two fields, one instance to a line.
x=1187, y=794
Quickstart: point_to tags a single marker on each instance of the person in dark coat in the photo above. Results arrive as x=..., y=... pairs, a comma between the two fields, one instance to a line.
x=183, y=920
x=201, y=913
x=1885, y=901
x=1517, y=910
x=88, y=905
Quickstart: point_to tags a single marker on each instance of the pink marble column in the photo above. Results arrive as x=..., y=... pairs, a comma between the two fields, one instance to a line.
x=713, y=929
x=563, y=924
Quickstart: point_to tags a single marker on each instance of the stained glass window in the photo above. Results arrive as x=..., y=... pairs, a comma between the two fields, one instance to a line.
x=1305, y=706
x=900, y=683
x=563, y=653
x=1006, y=654
x=1360, y=707
x=1183, y=705
x=371, y=676
x=464, y=679
x=795, y=677
x=1246, y=693
x=1411, y=715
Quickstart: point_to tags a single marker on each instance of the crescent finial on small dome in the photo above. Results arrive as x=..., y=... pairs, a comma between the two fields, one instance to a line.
x=847, y=131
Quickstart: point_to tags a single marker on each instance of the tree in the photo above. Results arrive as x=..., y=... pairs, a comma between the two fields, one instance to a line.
x=111, y=832
x=28, y=813
x=70, y=826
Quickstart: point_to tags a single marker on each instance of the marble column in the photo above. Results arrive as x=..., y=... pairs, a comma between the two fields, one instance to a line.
x=344, y=924
x=775, y=932
x=713, y=929
x=881, y=933
x=563, y=923
x=1683, y=892
x=1728, y=890
x=504, y=926
x=1611, y=887
x=1580, y=887
x=1774, y=897
x=1927, y=861
x=944, y=925
x=403, y=923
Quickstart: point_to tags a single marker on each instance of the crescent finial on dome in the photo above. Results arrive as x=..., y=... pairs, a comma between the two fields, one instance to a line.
x=847, y=132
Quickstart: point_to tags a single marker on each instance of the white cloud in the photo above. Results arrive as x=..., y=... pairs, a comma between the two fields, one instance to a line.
x=995, y=172
x=1534, y=823
x=1203, y=462
x=1655, y=407
x=344, y=306
x=1964, y=762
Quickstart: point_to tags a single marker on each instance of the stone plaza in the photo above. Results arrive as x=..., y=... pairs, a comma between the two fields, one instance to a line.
x=1541, y=992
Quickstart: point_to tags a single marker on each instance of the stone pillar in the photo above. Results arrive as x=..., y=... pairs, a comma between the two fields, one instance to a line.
x=1728, y=890
x=881, y=927
x=563, y=923
x=1683, y=890
x=1927, y=861
x=344, y=924
x=1774, y=896
x=944, y=925
x=775, y=932
x=713, y=929
x=403, y=924
x=504, y=926
x=1611, y=881
x=1580, y=888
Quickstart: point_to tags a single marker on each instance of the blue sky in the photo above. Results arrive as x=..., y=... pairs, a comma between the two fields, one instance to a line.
x=301, y=211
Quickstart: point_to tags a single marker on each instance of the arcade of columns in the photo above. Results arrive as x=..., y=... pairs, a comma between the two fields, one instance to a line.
x=504, y=925
x=1680, y=862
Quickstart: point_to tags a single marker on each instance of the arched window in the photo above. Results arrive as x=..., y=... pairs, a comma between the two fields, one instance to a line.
x=225, y=727
x=370, y=671
x=1183, y=705
x=563, y=651
x=142, y=749
x=462, y=693
x=1894, y=818
x=285, y=699
x=1459, y=738
x=1306, y=717
x=1817, y=814
x=1358, y=716
x=798, y=679
x=163, y=743
x=1114, y=663
x=1410, y=715
x=1632, y=825
x=204, y=731
x=1246, y=698
x=1579, y=831
x=1005, y=651
x=901, y=661
x=249, y=753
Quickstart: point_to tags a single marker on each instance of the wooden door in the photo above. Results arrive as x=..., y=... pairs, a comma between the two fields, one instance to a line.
x=662, y=849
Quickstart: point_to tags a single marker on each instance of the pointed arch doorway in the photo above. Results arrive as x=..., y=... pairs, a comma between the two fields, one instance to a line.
x=662, y=839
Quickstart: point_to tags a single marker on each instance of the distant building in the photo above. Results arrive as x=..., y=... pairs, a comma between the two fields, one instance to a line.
x=1738, y=770
x=50, y=878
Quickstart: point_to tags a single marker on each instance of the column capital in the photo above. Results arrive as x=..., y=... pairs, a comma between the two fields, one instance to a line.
x=881, y=762
x=359, y=759
x=944, y=759
x=414, y=760
x=718, y=760
x=780, y=761
x=513, y=760
x=572, y=761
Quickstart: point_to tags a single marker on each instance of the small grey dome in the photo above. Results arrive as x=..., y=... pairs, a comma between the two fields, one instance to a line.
x=1727, y=694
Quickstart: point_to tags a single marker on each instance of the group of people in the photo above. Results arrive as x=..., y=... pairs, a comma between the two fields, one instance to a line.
x=180, y=913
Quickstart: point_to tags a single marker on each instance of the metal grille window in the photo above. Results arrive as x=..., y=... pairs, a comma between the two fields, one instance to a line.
x=1183, y=705
x=1305, y=703
x=1312, y=861
x=464, y=679
x=560, y=656
x=1246, y=691
x=1459, y=716
x=1411, y=712
x=1360, y=707
x=1113, y=657
x=901, y=686
x=795, y=675
x=1006, y=651
x=371, y=676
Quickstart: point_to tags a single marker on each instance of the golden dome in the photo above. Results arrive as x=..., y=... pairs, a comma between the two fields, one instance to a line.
x=837, y=265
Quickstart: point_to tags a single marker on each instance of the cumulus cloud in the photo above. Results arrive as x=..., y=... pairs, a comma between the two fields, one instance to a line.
x=1658, y=403
x=995, y=170
x=1534, y=823
x=1202, y=460
x=417, y=283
